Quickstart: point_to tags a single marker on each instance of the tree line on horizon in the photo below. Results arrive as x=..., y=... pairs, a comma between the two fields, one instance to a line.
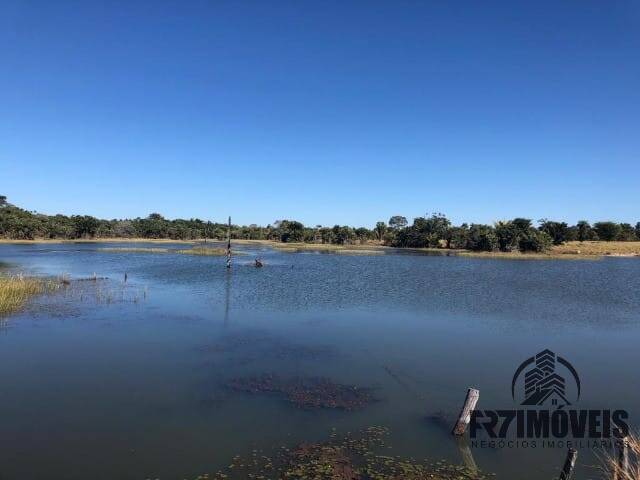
x=430, y=231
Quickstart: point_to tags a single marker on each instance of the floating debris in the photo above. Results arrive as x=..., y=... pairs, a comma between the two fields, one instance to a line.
x=346, y=457
x=306, y=392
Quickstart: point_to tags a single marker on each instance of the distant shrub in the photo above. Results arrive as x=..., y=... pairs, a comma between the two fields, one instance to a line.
x=535, y=241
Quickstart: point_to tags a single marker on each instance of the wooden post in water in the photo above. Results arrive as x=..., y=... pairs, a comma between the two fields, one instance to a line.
x=569, y=464
x=229, y=244
x=465, y=414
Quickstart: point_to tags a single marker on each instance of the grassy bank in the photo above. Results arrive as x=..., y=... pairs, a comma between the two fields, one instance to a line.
x=616, y=249
x=16, y=290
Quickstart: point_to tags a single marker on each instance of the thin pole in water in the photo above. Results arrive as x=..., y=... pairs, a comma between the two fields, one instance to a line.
x=229, y=244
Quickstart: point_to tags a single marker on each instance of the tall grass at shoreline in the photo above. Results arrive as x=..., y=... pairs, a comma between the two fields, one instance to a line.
x=628, y=469
x=16, y=290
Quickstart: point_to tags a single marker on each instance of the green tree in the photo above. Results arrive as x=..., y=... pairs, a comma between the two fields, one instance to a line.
x=558, y=231
x=607, y=231
x=432, y=229
x=397, y=222
x=84, y=226
x=627, y=233
x=381, y=229
x=584, y=231
x=506, y=235
x=457, y=237
x=534, y=241
x=290, y=231
x=362, y=234
x=342, y=234
x=481, y=238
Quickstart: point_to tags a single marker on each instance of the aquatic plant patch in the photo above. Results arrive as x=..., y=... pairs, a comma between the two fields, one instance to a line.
x=342, y=457
x=306, y=392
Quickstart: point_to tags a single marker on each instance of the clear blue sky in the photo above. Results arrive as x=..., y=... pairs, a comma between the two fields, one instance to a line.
x=327, y=112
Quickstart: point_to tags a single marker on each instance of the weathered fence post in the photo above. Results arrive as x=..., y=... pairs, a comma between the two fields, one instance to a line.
x=465, y=414
x=569, y=464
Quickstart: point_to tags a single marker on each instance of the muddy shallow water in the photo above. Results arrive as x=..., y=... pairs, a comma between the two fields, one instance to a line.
x=131, y=380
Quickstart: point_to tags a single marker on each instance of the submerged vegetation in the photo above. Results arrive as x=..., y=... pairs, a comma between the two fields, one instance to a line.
x=342, y=457
x=188, y=251
x=431, y=231
x=306, y=392
x=133, y=250
x=16, y=290
x=206, y=251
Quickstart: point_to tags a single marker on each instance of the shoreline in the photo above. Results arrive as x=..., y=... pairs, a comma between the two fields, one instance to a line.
x=589, y=250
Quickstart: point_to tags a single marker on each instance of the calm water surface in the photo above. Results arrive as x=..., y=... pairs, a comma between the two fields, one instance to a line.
x=108, y=380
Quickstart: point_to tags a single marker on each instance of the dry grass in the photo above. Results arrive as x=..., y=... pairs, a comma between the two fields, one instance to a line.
x=626, y=249
x=16, y=290
x=569, y=250
x=525, y=256
x=617, y=469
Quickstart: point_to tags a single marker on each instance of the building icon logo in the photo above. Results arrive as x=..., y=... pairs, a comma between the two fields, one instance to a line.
x=545, y=386
x=543, y=383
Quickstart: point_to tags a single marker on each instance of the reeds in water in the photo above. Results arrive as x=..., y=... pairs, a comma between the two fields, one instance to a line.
x=16, y=290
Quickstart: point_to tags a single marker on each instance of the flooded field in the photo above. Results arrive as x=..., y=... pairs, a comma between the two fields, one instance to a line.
x=188, y=369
